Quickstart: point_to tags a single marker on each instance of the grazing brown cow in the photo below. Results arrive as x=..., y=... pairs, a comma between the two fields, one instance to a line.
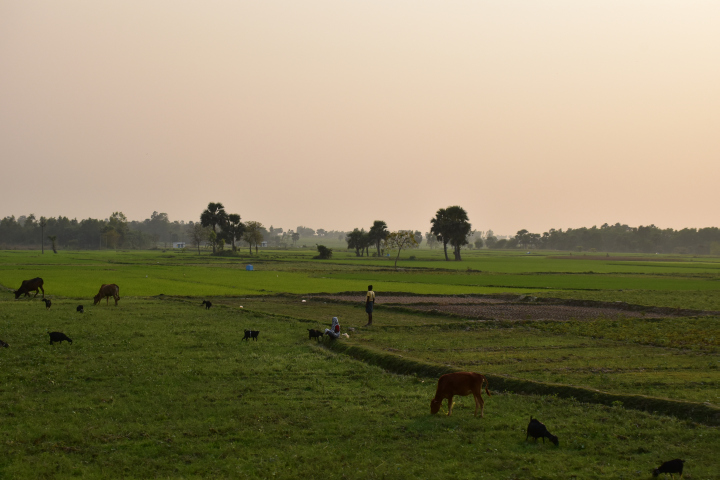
x=29, y=285
x=460, y=383
x=107, y=291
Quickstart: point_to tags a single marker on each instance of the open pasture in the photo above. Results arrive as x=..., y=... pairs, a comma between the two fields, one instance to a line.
x=690, y=284
x=537, y=282
x=508, y=261
x=165, y=388
x=161, y=387
x=674, y=358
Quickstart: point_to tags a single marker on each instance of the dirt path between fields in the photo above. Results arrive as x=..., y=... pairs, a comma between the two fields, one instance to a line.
x=523, y=307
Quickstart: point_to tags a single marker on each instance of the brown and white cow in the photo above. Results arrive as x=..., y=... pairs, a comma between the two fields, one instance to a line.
x=107, y=291
x=29, y=285
x=460, y=383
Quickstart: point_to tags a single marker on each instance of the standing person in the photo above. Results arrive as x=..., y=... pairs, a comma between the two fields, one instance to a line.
x=369, y=304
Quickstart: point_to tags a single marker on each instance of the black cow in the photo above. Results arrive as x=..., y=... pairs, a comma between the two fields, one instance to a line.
x=207, y=304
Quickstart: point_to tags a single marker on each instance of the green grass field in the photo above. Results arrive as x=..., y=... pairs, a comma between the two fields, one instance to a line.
x=161, y=387
x=674, y=358
x=689, y=284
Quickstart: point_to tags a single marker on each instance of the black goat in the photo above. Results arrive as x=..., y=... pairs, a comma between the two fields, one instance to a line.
x=536, y=430
x=251, y=334
x=207, y=304
x=58, y=337
x=315, y=334
x=80, y=309
x=672, y=466
x=4, y=345
x=48, y=303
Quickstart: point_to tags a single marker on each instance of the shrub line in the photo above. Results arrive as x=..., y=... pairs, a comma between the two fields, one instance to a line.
x=697, y=412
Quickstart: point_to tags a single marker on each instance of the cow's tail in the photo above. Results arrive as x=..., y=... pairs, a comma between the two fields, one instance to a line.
x=487, y=384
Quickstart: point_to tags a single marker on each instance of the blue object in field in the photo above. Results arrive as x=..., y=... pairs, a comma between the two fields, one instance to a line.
x=249, y=268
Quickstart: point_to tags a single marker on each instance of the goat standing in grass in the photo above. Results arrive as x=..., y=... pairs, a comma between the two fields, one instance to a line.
x=317, y=334
x=251, y=334
x=58, y=337
x=671, y=467
x=536, y=430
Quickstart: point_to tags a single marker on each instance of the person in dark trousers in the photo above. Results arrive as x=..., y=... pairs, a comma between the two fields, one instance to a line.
x=369, y=304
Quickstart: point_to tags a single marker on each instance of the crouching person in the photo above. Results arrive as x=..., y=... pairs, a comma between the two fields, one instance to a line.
x=334, y=330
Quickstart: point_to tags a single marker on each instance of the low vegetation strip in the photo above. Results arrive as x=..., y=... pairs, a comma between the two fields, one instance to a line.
x=697, y=412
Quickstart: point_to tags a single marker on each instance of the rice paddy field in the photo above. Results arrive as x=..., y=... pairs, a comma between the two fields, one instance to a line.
x=617, y=356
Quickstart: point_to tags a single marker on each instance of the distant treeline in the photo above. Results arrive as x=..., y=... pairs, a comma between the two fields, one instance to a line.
x=618, y=238
x=158, y=231
x=90, y=233
x=117, y=232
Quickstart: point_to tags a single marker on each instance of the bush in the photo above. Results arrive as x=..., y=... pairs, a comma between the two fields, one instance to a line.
x=324, y=253
x=227, y=253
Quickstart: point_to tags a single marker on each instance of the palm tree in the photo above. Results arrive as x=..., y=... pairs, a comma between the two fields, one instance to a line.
x=440, y=228
x=234, y=228
x=43, y=224
x=212, y=216
x=53, y=239
x=451, y=226
x=460, y=228
x=378, y=232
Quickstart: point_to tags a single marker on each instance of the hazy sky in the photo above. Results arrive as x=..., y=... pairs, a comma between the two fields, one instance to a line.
x=331, y=114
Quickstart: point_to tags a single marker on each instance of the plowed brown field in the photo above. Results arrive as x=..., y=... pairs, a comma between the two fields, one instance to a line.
x=500, y=309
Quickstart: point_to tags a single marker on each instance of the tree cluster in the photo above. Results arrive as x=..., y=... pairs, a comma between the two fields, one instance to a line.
x=231, y=229
x=361, y=240
x=451, y=226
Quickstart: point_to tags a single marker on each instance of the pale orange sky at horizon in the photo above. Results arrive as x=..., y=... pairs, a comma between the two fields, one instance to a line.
x=330, y=114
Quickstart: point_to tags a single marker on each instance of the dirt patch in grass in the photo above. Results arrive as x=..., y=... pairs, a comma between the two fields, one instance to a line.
x=533, y=312
x=416, y=299
x=523, y=307
x=617, y=258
